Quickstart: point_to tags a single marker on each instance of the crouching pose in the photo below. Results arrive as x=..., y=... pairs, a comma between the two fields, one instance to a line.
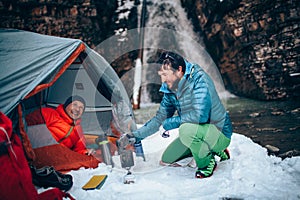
x=204, y=125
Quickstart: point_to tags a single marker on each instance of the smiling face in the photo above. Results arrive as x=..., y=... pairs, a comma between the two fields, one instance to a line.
x=75, y=109
x=169, y=76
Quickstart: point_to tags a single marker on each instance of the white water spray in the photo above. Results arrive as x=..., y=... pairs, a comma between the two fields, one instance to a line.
x=168, y=28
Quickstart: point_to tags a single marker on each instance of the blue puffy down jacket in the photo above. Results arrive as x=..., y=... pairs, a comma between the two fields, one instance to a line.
x=196, y=101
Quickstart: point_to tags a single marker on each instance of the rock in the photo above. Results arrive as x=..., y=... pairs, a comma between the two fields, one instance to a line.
x=256, y=47
x=276, y=113
x=256, y=114
x=289, y=154
x=272, y=150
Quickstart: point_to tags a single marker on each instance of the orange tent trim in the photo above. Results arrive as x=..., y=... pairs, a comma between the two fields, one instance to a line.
x=68, y=62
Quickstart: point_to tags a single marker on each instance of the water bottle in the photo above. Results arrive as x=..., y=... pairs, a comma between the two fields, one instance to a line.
x=103, y=144
x=139, y=149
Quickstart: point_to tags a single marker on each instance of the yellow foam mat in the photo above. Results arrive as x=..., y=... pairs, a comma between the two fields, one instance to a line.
x=95, y=182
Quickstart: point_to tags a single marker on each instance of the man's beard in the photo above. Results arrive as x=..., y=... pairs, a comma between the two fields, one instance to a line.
x=175, y=84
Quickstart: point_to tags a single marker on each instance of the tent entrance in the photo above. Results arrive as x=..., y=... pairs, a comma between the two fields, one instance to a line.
x=75, y=81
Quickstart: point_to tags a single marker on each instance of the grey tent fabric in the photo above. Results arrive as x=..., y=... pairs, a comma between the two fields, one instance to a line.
x=39, y=136
x=27, y=59
x=112, y=88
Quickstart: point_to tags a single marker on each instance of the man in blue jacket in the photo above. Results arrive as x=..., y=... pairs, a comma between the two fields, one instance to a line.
x=204, y=125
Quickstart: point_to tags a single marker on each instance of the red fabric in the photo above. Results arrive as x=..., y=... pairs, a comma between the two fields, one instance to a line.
x=14, y=170
x=54, y=194
x=35, y=118
x=16, y=179
x=62, y=158
x=59, y=124
x=27, y=147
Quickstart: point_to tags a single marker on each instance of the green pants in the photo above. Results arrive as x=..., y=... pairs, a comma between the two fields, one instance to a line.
x=198, y=140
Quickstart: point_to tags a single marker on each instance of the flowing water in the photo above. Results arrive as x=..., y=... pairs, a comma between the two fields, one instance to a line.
x=168, y=28
x=275, y=123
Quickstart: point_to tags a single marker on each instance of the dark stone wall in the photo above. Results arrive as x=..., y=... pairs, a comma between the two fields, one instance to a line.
x=87, y=20
x=255, y=44
x=91, y=21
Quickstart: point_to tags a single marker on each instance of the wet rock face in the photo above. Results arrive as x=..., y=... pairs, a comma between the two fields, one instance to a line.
x=90, y=21
x=254, y=43
x=83, y=19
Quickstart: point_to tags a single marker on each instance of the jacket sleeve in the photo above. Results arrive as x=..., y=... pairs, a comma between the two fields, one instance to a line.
x=79, y=145
x=166, y=110
x=54, y=123
x=171, y=123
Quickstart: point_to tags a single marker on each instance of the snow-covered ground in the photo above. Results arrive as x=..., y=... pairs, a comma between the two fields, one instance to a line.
x=249, y=174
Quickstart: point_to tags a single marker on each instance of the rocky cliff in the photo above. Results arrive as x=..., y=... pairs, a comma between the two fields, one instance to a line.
x=90, y=21
x=255, y=44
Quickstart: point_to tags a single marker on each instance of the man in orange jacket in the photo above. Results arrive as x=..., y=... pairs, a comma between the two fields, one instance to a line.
x=64, y=123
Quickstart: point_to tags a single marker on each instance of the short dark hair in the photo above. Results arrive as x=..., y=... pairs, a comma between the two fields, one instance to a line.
x=175, y=59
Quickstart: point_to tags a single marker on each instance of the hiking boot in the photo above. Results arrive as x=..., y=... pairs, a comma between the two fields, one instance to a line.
x=49, y=177
x=206, y=171
x=224, y=155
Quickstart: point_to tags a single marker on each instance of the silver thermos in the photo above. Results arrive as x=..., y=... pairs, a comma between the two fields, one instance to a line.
x=103, y=144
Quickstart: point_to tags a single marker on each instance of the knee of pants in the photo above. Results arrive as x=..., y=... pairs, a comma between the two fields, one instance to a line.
x=188, y=132
x=186, y=136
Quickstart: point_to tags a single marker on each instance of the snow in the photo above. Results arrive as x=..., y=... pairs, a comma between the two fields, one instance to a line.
x=249, y=174
x=123, y=11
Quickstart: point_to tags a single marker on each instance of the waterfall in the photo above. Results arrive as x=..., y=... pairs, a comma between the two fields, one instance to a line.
x=168, y=28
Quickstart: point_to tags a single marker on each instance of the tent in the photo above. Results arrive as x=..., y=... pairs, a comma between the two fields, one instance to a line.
x=39, y=70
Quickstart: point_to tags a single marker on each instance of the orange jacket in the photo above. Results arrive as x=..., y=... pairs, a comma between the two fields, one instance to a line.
x=59, y=124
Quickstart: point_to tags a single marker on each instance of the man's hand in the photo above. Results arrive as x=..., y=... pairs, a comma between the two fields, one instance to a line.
x=131, y=138
x=125, y=140
x=91, y=152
